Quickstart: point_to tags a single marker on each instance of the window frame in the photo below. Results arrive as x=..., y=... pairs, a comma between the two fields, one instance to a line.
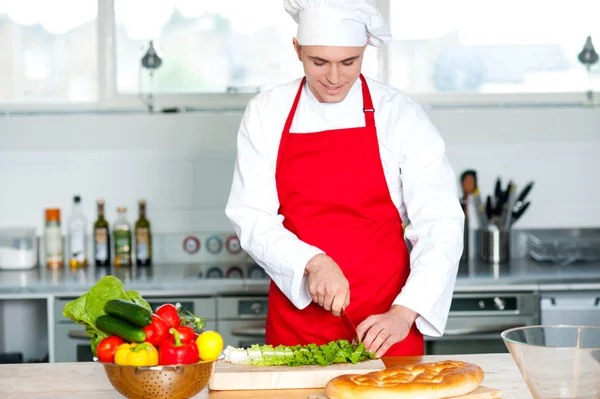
x=109, y=100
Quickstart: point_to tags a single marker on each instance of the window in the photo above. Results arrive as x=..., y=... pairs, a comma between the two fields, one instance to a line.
x=47, y=54
x=87, y=53
x=473, y=46
x=208, y=47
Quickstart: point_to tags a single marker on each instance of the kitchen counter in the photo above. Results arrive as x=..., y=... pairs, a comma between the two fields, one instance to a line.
x=88, y=380
x=519, y=274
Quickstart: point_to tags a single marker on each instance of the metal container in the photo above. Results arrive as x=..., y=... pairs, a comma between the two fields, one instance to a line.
x=160, y=382
x=494, y=246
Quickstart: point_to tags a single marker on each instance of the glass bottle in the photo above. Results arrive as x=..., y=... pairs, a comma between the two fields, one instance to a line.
x=122, y=239
x=143, y=237
x=53, y=243
x=101, y=237
x=77, y=238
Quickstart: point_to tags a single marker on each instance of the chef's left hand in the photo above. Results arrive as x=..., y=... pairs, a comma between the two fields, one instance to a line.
x=379, y=332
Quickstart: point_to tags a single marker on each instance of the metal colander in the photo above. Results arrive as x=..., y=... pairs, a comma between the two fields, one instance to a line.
x=158, y=382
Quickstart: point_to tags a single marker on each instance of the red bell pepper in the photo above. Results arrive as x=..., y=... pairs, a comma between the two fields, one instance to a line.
x=105, y=351
x=173, y=352
x=170, y=314
x=186, y=334
x=157, y=331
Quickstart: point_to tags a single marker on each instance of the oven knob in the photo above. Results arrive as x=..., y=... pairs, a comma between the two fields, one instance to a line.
x=499, y=303
x=256, y=273
x=481, y=305
x=235, y=272
x=214, y=272
x=214, y=245
x=256, y=307
x=232, y=244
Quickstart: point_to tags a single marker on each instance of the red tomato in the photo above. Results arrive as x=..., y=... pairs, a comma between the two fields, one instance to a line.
x=169, y=314
x=157, y=331
x=107, y=347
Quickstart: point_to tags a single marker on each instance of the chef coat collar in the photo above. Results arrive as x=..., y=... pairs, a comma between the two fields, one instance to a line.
x=354, y=90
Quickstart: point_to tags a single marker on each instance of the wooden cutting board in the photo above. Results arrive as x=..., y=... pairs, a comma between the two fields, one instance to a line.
x=480, y=393
x=233, y=377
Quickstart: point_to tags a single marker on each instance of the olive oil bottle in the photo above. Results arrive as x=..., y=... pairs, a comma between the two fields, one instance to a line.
x=143, y=237
x=101, y=237
x=122, y=239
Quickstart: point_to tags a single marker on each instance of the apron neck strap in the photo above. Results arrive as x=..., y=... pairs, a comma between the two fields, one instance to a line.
x=368, y=108
x=290, y=118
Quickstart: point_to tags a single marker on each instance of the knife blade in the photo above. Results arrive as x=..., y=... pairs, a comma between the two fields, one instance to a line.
x=517, y=214
x=526, y=190
x=349, y=326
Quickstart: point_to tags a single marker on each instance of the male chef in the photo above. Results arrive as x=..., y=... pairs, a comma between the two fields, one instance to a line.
x=328, y=167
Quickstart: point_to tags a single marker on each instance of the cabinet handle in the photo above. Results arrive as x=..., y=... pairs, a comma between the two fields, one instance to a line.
x=77, y=334
x=249, y=332
x=478, y=330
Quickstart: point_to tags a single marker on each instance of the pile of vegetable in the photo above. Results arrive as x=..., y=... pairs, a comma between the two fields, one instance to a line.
x=124, y=330
x=340, y=351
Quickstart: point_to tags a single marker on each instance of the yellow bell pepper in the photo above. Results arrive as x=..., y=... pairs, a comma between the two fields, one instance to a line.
x=135, y=354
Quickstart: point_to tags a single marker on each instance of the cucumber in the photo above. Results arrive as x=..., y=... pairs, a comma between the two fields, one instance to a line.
x=131, y=312
x=122, y=329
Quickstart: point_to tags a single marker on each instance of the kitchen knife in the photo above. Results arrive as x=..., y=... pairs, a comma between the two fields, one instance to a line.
x=508, y=207
x=524, y=193
x=520, y=201
x=349, y=326
x=498, y=190
x=517, y=214
x=489, y=209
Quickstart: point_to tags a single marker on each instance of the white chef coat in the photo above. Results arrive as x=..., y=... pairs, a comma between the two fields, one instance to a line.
x=421, y=182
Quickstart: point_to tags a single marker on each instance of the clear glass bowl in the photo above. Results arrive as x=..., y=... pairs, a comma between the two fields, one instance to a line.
x=557, y=361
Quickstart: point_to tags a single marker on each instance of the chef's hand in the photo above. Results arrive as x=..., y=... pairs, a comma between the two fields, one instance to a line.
x=380, y=332
x=327, y=284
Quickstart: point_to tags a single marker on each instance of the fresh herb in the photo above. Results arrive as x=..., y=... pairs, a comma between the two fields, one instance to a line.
x=340, y=351
x=87, y=308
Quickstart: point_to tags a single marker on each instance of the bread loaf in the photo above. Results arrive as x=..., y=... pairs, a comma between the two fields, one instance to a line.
x=423, y=381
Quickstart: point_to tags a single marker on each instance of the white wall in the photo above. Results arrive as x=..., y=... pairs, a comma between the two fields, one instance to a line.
x=182, y=164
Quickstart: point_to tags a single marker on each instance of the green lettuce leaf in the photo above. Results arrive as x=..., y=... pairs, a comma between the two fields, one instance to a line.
x=340, y=351
x=87, y=308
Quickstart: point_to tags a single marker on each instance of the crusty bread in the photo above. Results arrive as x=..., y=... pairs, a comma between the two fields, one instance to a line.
x=415, y=381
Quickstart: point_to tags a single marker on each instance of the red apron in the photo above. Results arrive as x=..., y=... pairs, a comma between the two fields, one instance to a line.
x=333, y=195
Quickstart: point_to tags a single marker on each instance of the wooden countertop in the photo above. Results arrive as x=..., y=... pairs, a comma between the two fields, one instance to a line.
x=88, y=380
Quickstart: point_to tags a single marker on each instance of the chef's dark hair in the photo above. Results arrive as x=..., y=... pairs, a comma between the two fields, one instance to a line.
x=469, y=172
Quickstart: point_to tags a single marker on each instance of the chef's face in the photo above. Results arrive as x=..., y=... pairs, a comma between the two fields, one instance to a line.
x=330, y=71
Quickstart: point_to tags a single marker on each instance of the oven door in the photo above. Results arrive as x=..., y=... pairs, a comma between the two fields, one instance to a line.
x=242, y=333
x=457, y=342
x=72, y=344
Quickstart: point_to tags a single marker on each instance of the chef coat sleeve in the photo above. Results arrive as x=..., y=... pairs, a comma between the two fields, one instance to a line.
x=253, y=206
x=436, y=222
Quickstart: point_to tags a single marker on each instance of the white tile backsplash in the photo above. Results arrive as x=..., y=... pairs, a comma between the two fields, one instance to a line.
x=182, y=164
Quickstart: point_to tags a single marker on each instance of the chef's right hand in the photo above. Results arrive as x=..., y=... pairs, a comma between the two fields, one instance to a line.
x=327, y=284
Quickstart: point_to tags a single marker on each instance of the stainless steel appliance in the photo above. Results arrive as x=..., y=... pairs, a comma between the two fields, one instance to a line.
x=242, y=319
x=476, y=320
x=71, y=343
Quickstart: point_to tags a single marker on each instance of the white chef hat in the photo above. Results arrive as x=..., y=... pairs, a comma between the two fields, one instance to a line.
x=338, y=22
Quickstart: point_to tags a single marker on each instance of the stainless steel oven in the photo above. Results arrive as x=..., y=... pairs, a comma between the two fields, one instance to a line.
x=476, y=321
x=242, y=320
x=71, y=343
